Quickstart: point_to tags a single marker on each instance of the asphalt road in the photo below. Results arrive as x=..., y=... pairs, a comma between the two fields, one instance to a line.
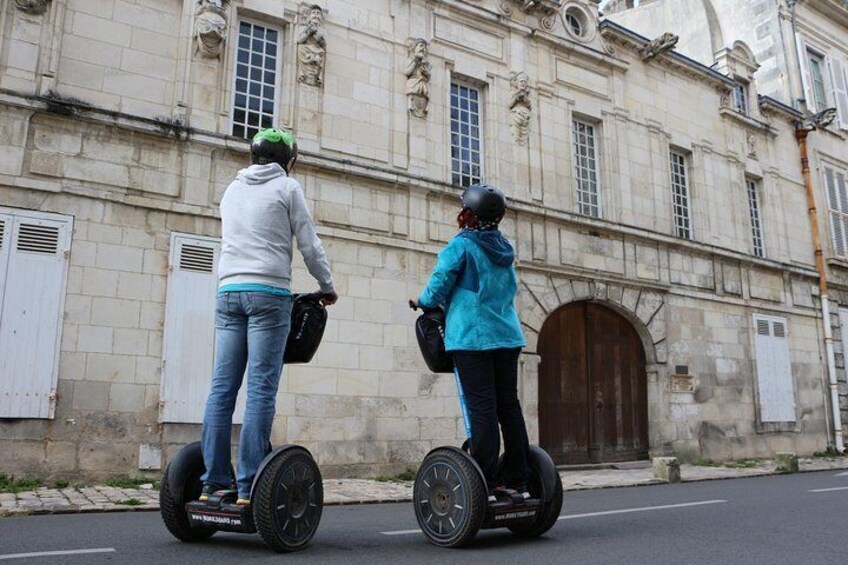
x=773, y=520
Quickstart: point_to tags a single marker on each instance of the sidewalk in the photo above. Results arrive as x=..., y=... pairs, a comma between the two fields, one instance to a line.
x=365, y=491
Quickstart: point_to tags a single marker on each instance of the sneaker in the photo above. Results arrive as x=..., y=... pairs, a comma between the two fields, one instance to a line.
x=243, y=502
x=492, y=498
x=207, y=490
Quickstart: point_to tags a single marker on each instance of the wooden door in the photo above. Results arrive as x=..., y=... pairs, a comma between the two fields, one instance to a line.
x=593, y=404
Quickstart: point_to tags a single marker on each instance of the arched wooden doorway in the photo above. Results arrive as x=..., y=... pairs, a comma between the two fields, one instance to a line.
x=593, y=394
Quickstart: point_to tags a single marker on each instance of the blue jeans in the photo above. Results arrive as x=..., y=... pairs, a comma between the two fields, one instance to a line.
x=251, y=331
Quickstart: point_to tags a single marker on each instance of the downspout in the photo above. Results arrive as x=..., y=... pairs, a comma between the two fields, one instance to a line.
x=801, y=136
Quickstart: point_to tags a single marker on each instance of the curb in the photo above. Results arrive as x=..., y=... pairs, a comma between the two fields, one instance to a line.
x=76, y=509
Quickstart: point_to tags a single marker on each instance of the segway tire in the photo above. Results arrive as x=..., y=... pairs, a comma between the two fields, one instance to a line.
x=449, y=498
x=288, y=500
x=173, y=497
x=549, y=513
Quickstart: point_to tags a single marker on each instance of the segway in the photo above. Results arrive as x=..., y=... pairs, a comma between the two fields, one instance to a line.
x=450, y=494
x=287, y=495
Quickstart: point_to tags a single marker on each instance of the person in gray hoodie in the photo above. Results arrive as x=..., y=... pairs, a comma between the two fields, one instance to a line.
x=263, y=211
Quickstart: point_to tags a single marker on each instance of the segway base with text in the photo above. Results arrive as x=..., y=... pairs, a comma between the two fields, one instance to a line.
x=287, y=495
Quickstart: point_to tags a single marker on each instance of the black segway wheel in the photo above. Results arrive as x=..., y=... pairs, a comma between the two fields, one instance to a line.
x=181, y=484
x=449, y=495
x=546, y=485
x=288, y=499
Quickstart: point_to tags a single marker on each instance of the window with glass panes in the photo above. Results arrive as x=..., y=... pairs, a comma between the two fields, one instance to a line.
x=466, y=142
x=817, y=77
x=837, y=199
x=680, y=195
x=586, y=169
x=756, y=218
x=257, y=66
x=740, y=96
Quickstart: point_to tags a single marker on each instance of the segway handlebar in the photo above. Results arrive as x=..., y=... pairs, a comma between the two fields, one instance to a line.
x=423, y=308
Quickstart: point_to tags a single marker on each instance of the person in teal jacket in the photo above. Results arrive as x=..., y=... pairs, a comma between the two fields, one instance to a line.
x=475, y=281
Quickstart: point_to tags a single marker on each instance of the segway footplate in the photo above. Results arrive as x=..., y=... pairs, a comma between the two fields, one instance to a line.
x=515, y=509
x=222, y=513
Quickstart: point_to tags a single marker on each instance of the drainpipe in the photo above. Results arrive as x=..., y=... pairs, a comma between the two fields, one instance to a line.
x=801, y=133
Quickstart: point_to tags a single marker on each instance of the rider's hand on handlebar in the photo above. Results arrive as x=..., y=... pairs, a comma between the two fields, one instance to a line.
x=329, y=298
x=413, y=303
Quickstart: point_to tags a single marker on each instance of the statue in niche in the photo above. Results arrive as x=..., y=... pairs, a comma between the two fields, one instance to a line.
x=312, y=47
x=752, y=145
x=210, y=27
x=418, y=70
x=34, y=7
x=520, y=107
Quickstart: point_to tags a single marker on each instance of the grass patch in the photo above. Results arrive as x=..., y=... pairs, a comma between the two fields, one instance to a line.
x=131, y=483
x=129, y=502
x=702, y=462
x=828, y=453
x=61, y=484
x=10, y=484
x=744, y=464
x=406, y=476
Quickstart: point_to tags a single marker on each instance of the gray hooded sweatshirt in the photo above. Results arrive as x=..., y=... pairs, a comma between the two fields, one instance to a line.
x=261, y=212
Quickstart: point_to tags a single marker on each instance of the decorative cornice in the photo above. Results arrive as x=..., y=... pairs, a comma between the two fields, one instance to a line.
x=629, y=39
x=770, y=106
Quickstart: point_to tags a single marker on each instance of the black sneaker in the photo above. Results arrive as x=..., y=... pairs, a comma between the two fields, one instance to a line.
x=207, y=490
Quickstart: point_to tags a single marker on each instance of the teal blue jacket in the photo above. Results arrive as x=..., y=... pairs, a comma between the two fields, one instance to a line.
x=474, y=279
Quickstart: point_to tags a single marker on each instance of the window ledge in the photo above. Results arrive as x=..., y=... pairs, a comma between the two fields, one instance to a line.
x=837, y=262
x=747, y=121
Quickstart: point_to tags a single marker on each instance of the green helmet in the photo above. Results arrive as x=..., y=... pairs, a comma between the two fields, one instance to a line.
x=274, y=145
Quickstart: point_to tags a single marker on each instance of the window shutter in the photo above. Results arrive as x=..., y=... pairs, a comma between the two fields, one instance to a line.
x=774, y=371
x=806, y=78
x=189, y=338
x=33, y=271
x=840, y=88
x=836, y=198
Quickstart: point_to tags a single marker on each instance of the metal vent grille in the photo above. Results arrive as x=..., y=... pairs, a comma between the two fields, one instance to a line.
x=779, y=330
x=763, y=327
x=33, y=238
x=197, y=258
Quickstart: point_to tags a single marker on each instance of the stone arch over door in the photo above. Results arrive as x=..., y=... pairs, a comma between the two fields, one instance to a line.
x=643, y=308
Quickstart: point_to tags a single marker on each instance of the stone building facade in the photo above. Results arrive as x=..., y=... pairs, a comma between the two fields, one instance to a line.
x=666, y=268
x=794, y=51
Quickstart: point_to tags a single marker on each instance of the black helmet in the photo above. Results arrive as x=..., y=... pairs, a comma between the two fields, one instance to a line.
x=274, y=145
x=486, y=201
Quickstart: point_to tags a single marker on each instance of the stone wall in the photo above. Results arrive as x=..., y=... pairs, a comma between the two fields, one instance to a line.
x=375, y=177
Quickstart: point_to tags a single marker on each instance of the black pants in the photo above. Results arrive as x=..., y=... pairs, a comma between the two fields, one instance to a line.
x=490, y=384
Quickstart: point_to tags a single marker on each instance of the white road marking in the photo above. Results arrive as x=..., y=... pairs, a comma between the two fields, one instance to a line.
x=827, y=489
x=591, y=514
x=56, y=553
x=642, y=509
x=845, y=474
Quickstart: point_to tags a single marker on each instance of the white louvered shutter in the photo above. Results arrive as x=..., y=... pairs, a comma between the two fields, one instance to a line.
x=840, y=89
x=774, y=370
x=34, y=267
x=806, y=77
x=189, y=338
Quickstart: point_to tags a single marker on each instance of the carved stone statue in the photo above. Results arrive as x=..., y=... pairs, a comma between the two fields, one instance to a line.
x=520, y=107
x=660, y=45
x=312, y=47
x=35, y=7
x=418, y=70
x=210, y=27
x=751, y=141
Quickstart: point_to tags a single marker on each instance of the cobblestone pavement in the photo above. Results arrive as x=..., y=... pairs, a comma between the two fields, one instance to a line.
x=364, y=491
